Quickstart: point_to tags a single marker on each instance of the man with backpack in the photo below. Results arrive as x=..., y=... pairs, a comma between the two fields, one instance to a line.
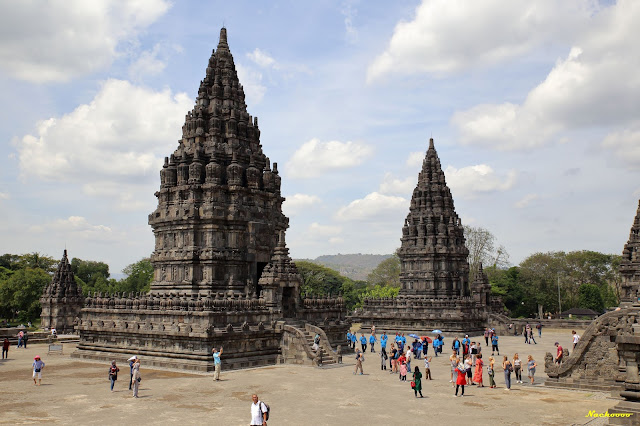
x=259, y=412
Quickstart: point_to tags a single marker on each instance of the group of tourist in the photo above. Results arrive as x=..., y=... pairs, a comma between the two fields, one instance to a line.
x=23, y=338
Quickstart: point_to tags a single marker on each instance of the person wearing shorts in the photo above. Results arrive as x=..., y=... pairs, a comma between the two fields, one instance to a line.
x=38, y=365
x=531, y=367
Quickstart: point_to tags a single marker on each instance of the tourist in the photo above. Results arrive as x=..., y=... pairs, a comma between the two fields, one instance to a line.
x=132, y=361
x=453, y=359
x=491, y=372
x=113, y=373
x=436, y=342
x=259, y=412
x=25, y=339
x=558, y=353
x=494, y=344
x=465, y=344
x=539, y=327
x=349, y=338
x=474, y=351
x=20, y=335
x=363, y=343
x=441, y=343
x=316, y=342
x=576, y=339
x=359, y=360
x=394, y=359
x=372, y=341
x=417, y=380
x=467, y=368
x=353, y=340
x=530, y=331
x=460, y=380
x=477, y=376
x=455, y=345
x=531, y=368
x=217, y=363
x=5, y=348
x=408, y=356
x=383, y=344
x=403, y=371
x=38, y=365
x=517, y=368
x=383, y=360
x=54, y=333
x=478, y=348
x=525, y=334
x=508, y=368
x=427, y=368
x=373, y=330
x=425, y=347
x=137, y=378
x=486, y=336
x=401, y=360
x=414, y=348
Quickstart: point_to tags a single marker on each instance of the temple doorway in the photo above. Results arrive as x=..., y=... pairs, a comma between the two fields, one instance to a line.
x=288, y=302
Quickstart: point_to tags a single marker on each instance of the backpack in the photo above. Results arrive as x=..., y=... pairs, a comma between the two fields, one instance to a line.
x=268, y=409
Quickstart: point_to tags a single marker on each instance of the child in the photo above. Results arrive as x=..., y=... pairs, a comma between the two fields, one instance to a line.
x=403, y=371
x=427, y=369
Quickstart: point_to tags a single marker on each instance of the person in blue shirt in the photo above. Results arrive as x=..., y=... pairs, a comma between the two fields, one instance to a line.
x=435, y=346
x=456, y=346
x=363, y=342
x=349, y=338
x=353, y=340
x=494, y=344
x=418, y=350
x=383, y=343
x=372, y=342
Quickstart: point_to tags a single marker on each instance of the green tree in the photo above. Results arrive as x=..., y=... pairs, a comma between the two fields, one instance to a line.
x=318, y=280
x=20, y=294
x=139, y=277
x=387, y=273
x=590, y=297
x=89, y=271
x=35, y=260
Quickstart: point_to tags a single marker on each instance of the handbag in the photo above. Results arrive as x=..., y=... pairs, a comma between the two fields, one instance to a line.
x=413, y=385
x=139, y=379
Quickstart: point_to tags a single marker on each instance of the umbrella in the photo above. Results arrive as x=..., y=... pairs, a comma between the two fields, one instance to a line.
x=415, y=336
x=437, y=331
x=133, y=358
x=427, y=338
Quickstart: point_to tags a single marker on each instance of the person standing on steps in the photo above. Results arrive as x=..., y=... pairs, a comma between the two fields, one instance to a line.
x=217, y=364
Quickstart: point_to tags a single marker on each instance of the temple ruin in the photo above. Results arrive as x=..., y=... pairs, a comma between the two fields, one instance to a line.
x=435, y=291
x=61, y=300
x=222, y=272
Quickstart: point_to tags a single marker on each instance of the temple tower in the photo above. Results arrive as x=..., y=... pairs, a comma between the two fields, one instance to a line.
x=432, y=255
x=61, y=300
x=219, y=205
x=630, y=264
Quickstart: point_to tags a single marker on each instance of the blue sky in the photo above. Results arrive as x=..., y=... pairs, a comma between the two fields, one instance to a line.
x=533, y=108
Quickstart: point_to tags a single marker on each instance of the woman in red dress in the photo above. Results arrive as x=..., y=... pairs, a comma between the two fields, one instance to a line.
x=461, y=380
x=477, y=376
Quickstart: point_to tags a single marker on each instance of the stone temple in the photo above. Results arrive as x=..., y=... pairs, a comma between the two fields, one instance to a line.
x=62, y=300
x=435, y=291
x=222, y=272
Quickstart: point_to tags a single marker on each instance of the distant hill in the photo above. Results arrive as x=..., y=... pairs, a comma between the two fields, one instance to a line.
x=355, y=266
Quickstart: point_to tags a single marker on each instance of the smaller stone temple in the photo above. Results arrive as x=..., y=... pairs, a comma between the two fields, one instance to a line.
x=435, y=291
x=630, y=265
x=61, y=300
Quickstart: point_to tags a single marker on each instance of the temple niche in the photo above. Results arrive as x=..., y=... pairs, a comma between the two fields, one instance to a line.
x=434, y=275
x=222, y=272
x=61, y=300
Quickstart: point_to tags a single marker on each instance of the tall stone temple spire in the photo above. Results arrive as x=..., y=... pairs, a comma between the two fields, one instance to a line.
x=62, y=299
x=630, y=264
x=219, y=205
x=433, y=255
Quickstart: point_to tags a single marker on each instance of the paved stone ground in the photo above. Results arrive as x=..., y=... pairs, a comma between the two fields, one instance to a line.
x=75, y=392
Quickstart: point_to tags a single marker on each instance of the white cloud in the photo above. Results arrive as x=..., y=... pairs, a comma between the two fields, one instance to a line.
x=375, y=207
x=625, y=145
x=119, y=137
x=391, y=185
x=469, y=181
x=251, y=81
x=151, y=62
x=4, y=196
x=52, y=41
x=415, y=159
x=297, y=202
x=349, y=12
x=526, y=200
x=77, y=227
x=596, y=85
x=314, y=158
x=451, y=35
x=316, y=230
x=262, y=59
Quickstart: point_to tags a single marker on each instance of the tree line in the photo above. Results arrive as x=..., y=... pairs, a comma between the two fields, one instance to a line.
x=24, y=277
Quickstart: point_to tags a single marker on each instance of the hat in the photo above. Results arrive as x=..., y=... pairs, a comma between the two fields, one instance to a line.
x=36, y=357
x=556, y=344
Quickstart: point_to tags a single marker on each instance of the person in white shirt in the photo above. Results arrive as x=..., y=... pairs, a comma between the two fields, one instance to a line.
x=427, y=369
x=408, y=356
x=576, y=338
x=258, y=412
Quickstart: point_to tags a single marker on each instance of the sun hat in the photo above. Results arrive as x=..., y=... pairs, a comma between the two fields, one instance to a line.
x=36, y=357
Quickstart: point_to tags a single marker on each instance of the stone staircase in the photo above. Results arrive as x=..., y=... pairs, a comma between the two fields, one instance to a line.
x=300, y=346
x=326, y=354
